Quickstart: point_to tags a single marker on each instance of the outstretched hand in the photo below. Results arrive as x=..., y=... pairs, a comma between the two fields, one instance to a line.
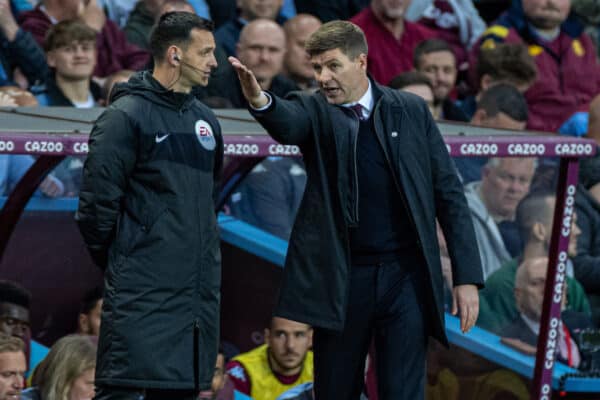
x=250, y=87
x=465, y=301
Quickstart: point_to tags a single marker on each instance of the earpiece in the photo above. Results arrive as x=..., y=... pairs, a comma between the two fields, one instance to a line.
x=176, y=57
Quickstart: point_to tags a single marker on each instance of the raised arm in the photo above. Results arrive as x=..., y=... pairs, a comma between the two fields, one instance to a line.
x=285, y=120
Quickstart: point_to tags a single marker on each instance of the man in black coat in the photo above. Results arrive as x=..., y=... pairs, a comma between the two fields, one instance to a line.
x=363, y=256
x=147, y=214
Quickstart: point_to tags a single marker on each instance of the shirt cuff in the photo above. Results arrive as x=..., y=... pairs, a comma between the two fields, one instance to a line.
x=263, y=108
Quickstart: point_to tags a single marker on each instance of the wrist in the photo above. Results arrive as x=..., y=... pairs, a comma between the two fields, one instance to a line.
x=260, y=101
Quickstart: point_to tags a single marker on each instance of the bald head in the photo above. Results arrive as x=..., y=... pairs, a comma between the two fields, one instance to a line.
x=297, y=61
x=530, y=282
x=261, y=48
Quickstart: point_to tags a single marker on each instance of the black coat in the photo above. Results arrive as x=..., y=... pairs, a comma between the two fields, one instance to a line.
x=315, y=281
x=147, y=214
x=587, y=261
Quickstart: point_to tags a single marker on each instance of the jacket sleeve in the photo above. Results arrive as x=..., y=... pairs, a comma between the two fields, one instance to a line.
x=26, y=54
x=586, y=264
x=285, y=120
x=110, y=161
x=452, y=210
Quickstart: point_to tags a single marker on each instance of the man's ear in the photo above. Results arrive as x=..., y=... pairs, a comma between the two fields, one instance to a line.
x=362, y=61
x=539, y=231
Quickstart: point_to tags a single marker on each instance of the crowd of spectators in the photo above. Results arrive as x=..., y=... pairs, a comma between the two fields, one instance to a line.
x=534, y=67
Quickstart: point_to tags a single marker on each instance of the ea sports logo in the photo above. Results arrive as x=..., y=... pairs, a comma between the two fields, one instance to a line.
x=205, y=135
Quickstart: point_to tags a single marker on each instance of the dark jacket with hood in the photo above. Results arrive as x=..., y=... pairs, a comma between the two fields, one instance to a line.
x=147, y=214
x=316, y=275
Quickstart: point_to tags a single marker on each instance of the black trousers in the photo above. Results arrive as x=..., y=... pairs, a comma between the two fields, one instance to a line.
x=385, y=303
x=124, y=393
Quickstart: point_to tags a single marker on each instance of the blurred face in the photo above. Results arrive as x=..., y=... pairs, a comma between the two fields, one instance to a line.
x=504, y=186
x=89, y=324
x=14, y=321
x=200, y=54
x=253, y=9
x=12, y=374
x=547, y=14
x=297, y=60
x=340, y=79
x=74, y=62
x=82, y=387
x=530, y=294
x=498, y=121
x=262, y=48
x=424, y=92
x=288, y=343
x=390, y=9
x=575, y=233
x=440, y=68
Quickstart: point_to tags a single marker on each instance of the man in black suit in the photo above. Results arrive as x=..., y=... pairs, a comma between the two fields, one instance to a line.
x=530, y=282
x=363, y=258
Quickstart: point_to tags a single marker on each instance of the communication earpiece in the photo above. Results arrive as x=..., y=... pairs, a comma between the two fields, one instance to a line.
x=176, y=57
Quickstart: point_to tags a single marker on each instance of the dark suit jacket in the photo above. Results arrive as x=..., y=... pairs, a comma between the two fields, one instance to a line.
x=315, y=280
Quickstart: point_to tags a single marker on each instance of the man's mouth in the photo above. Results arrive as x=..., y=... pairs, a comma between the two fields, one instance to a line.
x=331, y=91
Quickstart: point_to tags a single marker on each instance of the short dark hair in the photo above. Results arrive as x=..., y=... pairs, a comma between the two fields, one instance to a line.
x=343, y=35
x=66, y=32
x=410, y=78
x=12, y=292
x=507, y=62
x=531, y=209
x=91, y=298
x=175, y=28
x=430, y=46
x=504, y=98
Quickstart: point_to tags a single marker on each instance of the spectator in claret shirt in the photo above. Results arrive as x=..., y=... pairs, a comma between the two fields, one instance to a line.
x=114, y=51
x=568, y=72
x=391, y=39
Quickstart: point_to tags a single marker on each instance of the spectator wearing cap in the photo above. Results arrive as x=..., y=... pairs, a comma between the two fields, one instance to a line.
x=14, y=319
x=587, y=205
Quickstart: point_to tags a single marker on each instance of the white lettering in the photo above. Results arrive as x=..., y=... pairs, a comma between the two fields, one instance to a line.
x=479, y=149
x=80, y=147
x=7, y=146
x=526, y=149
x=241, y=149
x=43, y=147
x=573, y=149
x=284, y=150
